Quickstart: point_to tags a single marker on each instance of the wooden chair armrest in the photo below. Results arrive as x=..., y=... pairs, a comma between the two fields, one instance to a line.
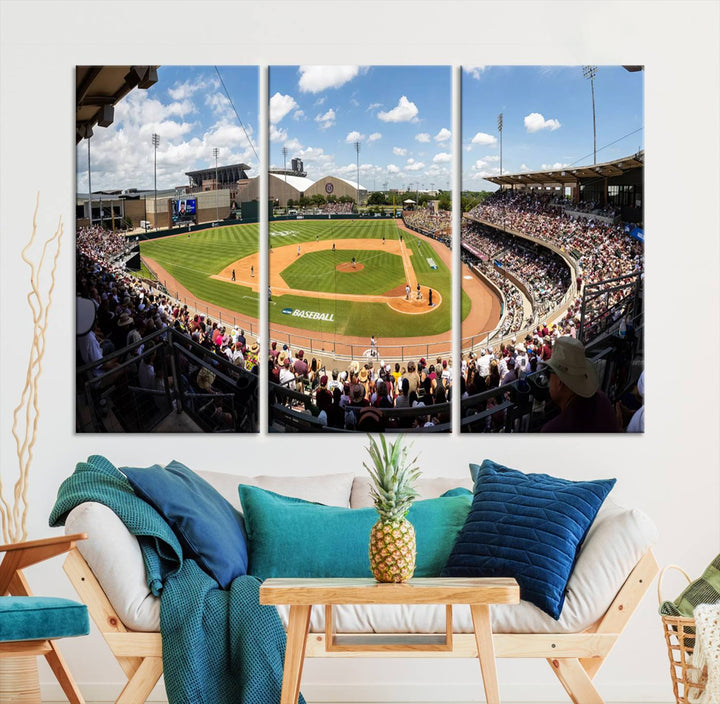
x=31, y=552
x=43, y=542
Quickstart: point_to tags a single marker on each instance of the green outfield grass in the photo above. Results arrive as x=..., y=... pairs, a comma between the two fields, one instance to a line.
x=317, y=271
x=193, y=260
x=382, y=273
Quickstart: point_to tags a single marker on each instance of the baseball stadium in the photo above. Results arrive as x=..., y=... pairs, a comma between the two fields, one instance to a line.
x=358, y=288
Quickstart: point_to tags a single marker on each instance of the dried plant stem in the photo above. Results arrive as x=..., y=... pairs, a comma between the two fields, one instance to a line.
x=13, y=516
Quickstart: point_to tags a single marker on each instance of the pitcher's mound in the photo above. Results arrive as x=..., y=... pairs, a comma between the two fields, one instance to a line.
x=346, y=267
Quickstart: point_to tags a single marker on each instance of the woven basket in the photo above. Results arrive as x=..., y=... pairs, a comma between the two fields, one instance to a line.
x=680, y=640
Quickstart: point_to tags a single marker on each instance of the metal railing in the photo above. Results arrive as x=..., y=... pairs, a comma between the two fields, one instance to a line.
x=524, y=406
x=294, y=411
x=119, y=393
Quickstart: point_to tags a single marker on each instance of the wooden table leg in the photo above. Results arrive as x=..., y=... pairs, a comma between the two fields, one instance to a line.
x=486, y=651
x=298, y=627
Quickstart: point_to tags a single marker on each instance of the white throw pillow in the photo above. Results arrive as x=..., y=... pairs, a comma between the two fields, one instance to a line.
x=328, y=489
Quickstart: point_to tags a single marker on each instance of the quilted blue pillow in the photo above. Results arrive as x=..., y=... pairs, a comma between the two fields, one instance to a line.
x=526, y=526
x=209, y=529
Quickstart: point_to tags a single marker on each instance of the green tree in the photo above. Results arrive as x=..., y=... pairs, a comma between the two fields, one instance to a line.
x=376, y=198
x=304, y=202
x=290, y=203
x=318, y=199
x=346, y=199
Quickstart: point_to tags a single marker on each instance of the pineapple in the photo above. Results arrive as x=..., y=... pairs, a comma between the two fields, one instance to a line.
x=392, y=539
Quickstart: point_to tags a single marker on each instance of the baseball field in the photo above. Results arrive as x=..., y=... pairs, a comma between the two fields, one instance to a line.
x=335, y=277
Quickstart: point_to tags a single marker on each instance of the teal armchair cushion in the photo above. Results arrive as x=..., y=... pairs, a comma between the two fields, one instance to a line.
x=41, y=618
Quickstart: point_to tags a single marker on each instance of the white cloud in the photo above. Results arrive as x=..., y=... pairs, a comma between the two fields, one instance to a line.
x=413, y=165
x=442, y=158
x=399, y=151
x=404, y=111
x=298, y=114
x=481, y=174
x=554, y=167
x=474, y=71
x=354, y=103
x=484, y=139
x=443, y=135
x=374, y=137
x=479, y=164
x=422, y=137
x=535, y=122
x=525, y=167
x=181, y=91
x=220, y=106
x=121, y=154
x=293, y=144
x=354, y=136
x=319, y=101
x=277, y=134
x=392, y=169
x=280, y=105
x=373, y=106
x=314, y=79
x=327, y=120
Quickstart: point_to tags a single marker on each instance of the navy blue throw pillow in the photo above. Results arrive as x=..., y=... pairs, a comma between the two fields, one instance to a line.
x=526, y=526
x=209, y=529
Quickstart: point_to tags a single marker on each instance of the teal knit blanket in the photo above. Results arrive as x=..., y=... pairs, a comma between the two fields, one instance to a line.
x=219, y=646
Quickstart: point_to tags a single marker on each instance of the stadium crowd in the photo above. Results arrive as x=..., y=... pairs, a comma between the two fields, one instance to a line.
x=127, y=310
x=362, y=397
x=428, y=221
x=337, y=208
x=602, y=251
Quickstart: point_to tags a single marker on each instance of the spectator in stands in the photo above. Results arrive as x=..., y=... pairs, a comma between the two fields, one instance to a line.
x=575, y=388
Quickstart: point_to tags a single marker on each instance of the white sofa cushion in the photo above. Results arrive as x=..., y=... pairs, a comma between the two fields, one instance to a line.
x=618, y=538
x=113, y=554
x=328, y=489
x=427, y=488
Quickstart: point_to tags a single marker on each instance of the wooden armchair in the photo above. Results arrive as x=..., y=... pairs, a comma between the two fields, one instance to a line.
x=30, y=625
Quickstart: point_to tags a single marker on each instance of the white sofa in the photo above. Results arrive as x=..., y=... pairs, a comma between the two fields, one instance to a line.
x=613, y=570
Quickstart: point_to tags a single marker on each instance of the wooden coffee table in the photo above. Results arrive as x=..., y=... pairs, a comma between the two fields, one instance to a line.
x=302, y=594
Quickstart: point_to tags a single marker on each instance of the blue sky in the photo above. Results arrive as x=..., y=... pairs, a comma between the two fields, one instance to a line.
x=190, y=111
x=401, y=115
x=547, y=118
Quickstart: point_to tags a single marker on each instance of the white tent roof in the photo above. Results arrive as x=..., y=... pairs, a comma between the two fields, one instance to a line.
x=300, y=183
x=350, y=183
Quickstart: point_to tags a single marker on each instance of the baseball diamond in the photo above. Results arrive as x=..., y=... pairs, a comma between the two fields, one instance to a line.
x=335, y=278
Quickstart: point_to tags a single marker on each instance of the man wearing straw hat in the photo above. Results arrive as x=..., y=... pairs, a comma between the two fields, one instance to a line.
x=575, y=388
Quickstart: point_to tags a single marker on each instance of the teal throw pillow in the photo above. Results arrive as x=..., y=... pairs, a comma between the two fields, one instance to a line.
x=289, y=537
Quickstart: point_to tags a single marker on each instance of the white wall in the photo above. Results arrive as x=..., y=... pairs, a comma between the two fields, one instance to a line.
x=672, y=472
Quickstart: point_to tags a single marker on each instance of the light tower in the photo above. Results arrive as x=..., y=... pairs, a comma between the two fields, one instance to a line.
x=285, y=153
x=217, y=203
x=357, y=150
x=156, y=144
x=589, y=72
x=88, y=134
x=500, y=130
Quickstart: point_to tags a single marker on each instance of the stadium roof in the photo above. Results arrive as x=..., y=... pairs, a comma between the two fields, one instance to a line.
x=354, y=184
x=99, y=88
x=299, y=183
x=571, y=175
